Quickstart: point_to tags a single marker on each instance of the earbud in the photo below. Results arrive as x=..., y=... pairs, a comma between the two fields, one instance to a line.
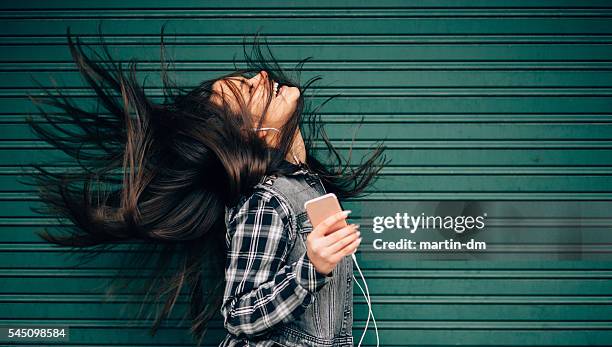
x=367, y=292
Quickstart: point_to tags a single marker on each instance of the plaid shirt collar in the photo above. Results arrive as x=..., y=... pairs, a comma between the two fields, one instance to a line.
x=299, y=170
x=295, y=170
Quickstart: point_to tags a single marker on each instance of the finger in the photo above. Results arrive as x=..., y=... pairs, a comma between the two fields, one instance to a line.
x=339, y=234
x=338, y=246
x=328, y=222
x=351, y=247
x=345, y=251
x=335, y=227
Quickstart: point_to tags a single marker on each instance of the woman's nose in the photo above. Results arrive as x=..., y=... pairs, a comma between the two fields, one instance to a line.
x=255, y=79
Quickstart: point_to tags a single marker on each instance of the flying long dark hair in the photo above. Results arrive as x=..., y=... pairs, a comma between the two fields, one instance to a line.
x=156, y=177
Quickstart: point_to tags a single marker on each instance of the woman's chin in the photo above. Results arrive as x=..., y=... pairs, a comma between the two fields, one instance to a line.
x=287, y=101
x=295, y=92
x=290, y=94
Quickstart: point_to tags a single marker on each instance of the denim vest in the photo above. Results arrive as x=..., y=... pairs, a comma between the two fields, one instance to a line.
x=328, y=320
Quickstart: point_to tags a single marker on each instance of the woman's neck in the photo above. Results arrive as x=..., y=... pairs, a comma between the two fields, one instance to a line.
x=298, y=149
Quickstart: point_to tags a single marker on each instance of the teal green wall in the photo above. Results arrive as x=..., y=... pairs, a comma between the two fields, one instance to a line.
x=477, y=100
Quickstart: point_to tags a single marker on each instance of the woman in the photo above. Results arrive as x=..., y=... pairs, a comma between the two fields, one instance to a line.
x=213, y=181
x=277, y=264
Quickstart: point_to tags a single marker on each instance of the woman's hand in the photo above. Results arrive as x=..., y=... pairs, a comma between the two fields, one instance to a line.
x=326, y=245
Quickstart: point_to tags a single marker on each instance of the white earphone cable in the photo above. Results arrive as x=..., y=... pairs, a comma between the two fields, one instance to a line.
x=259, y=129
x=366, y=295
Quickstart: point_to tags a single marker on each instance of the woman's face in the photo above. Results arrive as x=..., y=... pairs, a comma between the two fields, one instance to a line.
x=254, y=92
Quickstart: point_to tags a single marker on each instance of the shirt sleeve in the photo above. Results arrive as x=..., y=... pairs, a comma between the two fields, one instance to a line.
x=261, y=290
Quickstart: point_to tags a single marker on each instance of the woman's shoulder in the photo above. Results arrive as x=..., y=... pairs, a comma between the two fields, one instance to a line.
x=263, y=200
x=261, y=205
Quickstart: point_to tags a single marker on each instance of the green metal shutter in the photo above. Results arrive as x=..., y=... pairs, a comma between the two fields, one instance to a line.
x=477, y=100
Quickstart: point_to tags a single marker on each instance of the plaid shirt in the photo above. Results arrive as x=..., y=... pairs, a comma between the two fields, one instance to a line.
x=261, y=289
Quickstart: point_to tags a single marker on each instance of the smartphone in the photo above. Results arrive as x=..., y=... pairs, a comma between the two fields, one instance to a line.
x=318, y=209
